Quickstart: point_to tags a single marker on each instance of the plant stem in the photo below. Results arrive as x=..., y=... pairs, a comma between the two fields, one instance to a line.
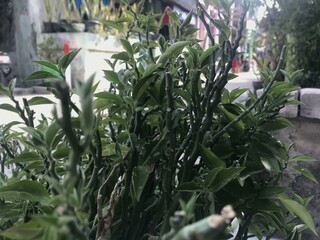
x=249, y=109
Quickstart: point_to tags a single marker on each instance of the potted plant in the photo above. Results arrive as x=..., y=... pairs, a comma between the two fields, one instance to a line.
x=167, y=136
x=53, y=14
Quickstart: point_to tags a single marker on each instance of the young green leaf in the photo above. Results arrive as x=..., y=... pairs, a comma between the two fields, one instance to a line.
x=305, y=172
x=151, y=68
x=65, y=61
x=174, y=50
x=127, y=46
x=114, y=78
x=303, y=158
x=207, y=53
x=109, y=96
x=41, y=75
x=300, y=211
x=210, y=159
x=224, y=176
x=39, y=100
x=8, y=107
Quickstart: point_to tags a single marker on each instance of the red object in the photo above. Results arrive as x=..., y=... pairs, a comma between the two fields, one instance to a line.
x=66, y=47
x=235, y=65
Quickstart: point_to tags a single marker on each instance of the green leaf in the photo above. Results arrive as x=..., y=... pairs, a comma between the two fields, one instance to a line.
x=35, y=133
x=184, y=94
x=114, y=78
x=272, y=191
x=39, y=100
x=4, y=90
x=65, y=61
x=141, y=86
x=300, y=211
x=210, y=159
x=50, y=68
x=305, y=172
x=172, y=51
x=123, y=56
x=11, y=86
x=9, y=125
x=139, y=180
x=223, y=28
x=210, y=177
x=40, y=75
x=8, y=107
x=271, y=164
x=276, y=124
x=60, y=153
x=187, y=20
x=24, y=231
x=266, y=205
x=224, y=176
x=151, y=68
x=207, y=53
x=303, y=158
x=235, y=93
x=189, y=187
x=25, y=157
x=109, y=96
x=48, y=65
x=127, y=46
x=50, y=133
x=86, y=101
x=25, y=190
x=231, y=117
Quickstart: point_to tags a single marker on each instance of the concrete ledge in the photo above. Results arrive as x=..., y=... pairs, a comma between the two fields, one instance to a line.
x=311, y=99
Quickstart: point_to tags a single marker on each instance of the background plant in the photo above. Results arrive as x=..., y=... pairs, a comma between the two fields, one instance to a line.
x=295, y=24
x=119, y=164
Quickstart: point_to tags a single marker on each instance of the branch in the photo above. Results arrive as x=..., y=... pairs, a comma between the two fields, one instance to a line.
x=249, y=109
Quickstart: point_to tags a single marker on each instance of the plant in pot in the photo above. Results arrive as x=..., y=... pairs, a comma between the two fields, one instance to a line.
x=167, y=136
x=73, y=21
x=53, y=15
x=100, y=17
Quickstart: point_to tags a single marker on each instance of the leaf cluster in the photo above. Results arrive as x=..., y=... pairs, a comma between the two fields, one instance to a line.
x=120, y=163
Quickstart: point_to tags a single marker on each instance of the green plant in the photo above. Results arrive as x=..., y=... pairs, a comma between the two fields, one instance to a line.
x=117, y=165
x=295, y=24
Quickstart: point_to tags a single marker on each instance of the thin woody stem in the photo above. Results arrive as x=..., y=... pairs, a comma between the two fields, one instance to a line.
x=249, y=109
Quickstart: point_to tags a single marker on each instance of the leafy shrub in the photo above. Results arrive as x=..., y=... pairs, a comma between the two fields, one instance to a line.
x=295, y=24
x=166, y=135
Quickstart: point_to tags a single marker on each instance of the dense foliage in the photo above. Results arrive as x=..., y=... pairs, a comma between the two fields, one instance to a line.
x=295, y=24
x=167, y=136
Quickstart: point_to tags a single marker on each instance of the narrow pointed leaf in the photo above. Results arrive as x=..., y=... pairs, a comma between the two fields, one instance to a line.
x=39, y=100
x=210, y=159
x=300, y=211
x=305, y=172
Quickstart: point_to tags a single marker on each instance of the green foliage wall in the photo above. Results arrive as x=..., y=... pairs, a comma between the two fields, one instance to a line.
x=296, y=24
x=167, y=136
